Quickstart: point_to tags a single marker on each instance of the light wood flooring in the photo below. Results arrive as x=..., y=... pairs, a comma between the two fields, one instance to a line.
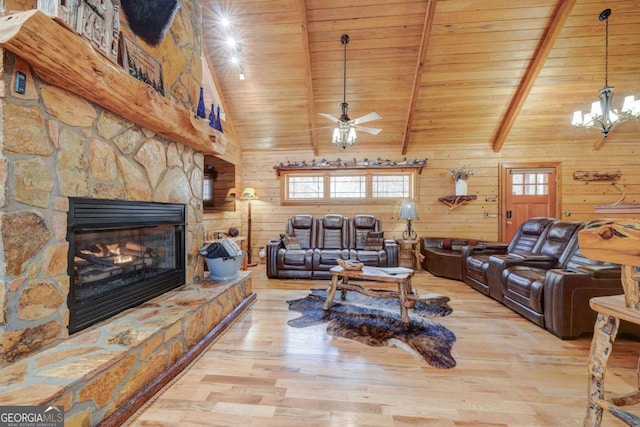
x=264, y=373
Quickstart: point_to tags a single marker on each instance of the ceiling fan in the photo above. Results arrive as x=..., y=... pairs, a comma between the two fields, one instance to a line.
x=344, y=134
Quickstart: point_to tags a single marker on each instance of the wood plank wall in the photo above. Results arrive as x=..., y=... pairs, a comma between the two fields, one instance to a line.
x=620, y=152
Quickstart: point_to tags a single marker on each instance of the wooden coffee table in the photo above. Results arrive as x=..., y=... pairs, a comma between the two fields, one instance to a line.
x=405, y=294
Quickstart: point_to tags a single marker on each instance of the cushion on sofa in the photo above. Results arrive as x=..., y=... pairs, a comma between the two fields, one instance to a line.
x=290, y=242
x=375, y=241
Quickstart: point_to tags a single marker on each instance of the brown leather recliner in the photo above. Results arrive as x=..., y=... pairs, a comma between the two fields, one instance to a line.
x=361, y=226
x=332, y=244
x=475, y=259
x=558, y=299
x=294, y=263
x=546, y=254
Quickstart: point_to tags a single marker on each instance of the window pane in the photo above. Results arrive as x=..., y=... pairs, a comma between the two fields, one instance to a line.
x=305, y=187
x=518, y=178
x=390, y=186
x=530, y=190
x=347, y=186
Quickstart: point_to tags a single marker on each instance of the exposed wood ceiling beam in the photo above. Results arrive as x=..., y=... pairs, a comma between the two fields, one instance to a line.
x=417, y=77
x=560, y=16
x=308, y=79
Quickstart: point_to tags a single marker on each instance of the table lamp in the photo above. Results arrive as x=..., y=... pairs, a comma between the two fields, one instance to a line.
x=408, y=212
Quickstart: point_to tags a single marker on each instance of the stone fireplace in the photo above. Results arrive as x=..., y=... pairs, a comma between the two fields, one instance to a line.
x=83, y=129
x=121, y=254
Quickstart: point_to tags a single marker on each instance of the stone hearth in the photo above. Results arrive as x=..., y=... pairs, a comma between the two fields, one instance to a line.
x=98, y=374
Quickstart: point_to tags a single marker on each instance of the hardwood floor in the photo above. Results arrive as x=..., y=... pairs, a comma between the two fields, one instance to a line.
x=264, y=373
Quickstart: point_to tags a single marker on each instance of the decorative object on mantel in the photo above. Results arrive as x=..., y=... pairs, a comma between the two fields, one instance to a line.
x=201, y=111
x=98, y=22
x=352, y=164
x=602, y=114
x=612, y=177
x=218, y=124
x=408, y=211
x=212, y=117
x=460, y=177
x=456, y=201
x=150, y=19
x=141, y=65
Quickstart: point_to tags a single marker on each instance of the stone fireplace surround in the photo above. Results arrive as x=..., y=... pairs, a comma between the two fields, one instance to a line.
x=57, y=145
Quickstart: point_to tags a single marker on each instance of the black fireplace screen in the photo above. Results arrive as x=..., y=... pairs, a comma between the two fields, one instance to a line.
x=121, y=254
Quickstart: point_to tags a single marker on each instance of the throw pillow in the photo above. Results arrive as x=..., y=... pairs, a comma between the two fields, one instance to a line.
x=456, y=245
x=375, y=241
x=446, y=244
x=290, y=242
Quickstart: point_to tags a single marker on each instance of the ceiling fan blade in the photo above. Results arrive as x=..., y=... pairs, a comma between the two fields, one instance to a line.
x=372, y=131
x=329, y=116
x=367, y=118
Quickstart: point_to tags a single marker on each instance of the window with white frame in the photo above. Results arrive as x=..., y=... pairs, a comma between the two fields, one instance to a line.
x=357, y=186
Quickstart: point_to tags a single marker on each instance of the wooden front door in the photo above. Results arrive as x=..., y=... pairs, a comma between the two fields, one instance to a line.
x=527, y=190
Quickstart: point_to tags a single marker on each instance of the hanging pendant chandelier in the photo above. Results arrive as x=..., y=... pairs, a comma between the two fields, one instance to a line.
x=603, y=115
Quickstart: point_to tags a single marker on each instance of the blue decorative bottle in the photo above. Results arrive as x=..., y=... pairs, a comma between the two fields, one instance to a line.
x=218, y=124
x=201, y=111
x=212, y=118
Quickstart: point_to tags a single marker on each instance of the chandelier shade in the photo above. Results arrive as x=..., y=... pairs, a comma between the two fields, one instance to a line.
x=602, y=114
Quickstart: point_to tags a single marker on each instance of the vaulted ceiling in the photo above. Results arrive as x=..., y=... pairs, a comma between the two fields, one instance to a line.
x=456, y=71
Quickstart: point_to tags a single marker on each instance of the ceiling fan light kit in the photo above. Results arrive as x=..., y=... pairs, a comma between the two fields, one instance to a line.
x=344, y=134
x=602, y=114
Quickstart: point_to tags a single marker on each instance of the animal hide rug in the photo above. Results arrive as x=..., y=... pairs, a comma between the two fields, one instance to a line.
x=377, y=322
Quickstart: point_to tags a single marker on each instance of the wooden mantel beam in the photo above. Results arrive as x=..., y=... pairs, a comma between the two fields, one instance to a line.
x=63, y=58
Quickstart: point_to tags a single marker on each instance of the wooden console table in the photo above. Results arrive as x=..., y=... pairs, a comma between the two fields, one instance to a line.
x=456, y=201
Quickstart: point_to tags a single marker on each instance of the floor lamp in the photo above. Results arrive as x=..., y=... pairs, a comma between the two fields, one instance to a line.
x=249, y=194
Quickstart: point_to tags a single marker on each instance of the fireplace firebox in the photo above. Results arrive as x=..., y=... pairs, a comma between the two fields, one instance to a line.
x=121, y=254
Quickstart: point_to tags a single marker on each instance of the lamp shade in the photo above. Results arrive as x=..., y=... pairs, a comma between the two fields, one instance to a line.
x=249, y=193
x=232, y=194
x=408, y=210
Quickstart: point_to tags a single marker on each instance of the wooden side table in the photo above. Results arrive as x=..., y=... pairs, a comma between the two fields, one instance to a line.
x=610, y=311
x=409, y=253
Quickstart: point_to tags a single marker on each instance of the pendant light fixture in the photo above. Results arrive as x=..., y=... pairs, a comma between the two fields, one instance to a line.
x=603, y=115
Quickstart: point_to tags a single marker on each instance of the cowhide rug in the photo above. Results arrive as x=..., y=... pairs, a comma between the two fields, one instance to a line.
x=377, y=322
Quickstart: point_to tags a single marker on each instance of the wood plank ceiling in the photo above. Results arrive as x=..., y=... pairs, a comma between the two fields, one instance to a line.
x=455, y=71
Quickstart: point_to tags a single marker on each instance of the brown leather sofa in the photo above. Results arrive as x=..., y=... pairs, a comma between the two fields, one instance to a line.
x=546, y=254
x=550, y=284
x=558, y=299
x=475, y=259
x=442, y=256
x=321, y=241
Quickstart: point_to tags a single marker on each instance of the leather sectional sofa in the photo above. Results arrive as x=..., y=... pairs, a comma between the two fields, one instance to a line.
x=310, y=246
x=542, y=275
x=442, y=256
